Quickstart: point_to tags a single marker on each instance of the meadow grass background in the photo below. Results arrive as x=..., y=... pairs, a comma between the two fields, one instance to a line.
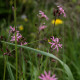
x=33, y=66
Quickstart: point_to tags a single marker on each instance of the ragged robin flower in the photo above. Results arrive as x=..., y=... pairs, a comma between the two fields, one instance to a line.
x=55, y=44
x=47, y=76
x=20, y=39
x=42, y=15
x=61, y=11
x=57, y=21
x=18, y=35
x=42, y=27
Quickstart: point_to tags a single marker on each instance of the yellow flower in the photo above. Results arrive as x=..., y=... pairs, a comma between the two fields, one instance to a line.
x=49, y=40
x=21, y=27
x=25, y=19
x=58, y=21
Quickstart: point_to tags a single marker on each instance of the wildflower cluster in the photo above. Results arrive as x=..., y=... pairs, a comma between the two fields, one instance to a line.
x=59, y=11
x=20, y=39
x=42, y=15
x=55, y=43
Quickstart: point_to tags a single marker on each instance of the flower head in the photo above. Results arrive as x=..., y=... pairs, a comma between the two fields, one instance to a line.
x=20, y=39
x=21, y=27
x=55, y=43
x=43, y=15
x=42, y=27
x=18, y=35
x=61, y=11
x=47, y=76
x=57, y=21
x=23, y=43
x=12, y=29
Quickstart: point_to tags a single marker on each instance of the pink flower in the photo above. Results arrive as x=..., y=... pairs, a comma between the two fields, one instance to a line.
x=5, y=53
x=12, y=29
x=42, y=27
x=18, y=35
x=20, y=39
x=23, y=43
x=61, y=10
x=43, y=15
x=47, y=76
x=55, y=43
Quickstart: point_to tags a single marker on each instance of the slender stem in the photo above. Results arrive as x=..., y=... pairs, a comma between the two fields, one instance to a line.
x=15, y=39
x=34, y=41
x=27, y=43
x=4, y=68
x=19, y=61
x=64, y=59
x=54, y=25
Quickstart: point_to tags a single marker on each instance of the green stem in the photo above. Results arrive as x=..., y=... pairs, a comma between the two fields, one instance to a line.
x=15, y=39
x=64, y=59
x=34, y=41
x=4, y=68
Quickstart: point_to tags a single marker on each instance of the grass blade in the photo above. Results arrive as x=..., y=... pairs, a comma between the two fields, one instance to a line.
x=67, y=69
x=10, y=71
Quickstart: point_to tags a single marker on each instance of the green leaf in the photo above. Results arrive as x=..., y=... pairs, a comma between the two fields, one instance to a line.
x=10, y=71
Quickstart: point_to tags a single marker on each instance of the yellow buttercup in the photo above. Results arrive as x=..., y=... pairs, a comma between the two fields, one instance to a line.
x=57, y=21
x=21, y=27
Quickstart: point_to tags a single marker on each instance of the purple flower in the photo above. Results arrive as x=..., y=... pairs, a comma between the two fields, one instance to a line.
x=47, y=76
x=18, y=35
x=23, y=43
x=55, y=43
x=42, y=27
x=5, y=53
x=12, y=29
x=61, y=10
x=20, y=39
x=43, y=15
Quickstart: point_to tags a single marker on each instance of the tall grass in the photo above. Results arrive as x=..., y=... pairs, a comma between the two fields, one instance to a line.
x=15, y=39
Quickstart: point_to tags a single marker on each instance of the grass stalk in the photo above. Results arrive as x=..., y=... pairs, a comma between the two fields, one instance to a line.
x=15, y=39
x=4, y=68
